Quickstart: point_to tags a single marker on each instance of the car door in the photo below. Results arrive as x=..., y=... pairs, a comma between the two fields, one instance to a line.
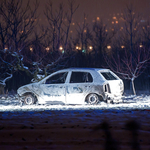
x=78, y=87
x=54, y=88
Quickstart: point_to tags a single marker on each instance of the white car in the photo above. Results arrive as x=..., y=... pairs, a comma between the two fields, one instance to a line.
x=73, y=86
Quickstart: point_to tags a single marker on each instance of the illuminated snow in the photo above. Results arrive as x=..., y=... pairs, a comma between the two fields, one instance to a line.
x=129, y=103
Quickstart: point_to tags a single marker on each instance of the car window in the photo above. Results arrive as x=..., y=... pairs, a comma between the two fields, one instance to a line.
x=57, y=78
x=81, y=77
x=108, y=76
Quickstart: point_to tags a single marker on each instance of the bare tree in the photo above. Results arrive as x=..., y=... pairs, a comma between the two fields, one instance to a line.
x=129, y=58
x=16, y=28
x=59, y=22
x=129, y=66
x=102, y=38
x=84, y=34
x=146, y=33
x=130, y=34
x=82, y=42
x=18, y=22
x=57, y=39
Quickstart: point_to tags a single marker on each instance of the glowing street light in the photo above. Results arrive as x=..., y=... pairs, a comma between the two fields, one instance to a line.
x=141, y=45
x=98, y=19
x=31, y=49
x=61, y=48
x=90, y=47
x=77, y=47
x=85, y=31
x=5, y=49
x=47, y=48
x=121, y=28
x=108, y=47
x=122, y=46
x=114, y=18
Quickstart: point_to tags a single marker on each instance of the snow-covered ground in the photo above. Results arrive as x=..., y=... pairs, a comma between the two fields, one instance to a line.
x=123, y=126
x=11, y=103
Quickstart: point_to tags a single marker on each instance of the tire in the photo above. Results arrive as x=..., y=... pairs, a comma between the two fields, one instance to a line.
x=92, y=99
x=29, y=99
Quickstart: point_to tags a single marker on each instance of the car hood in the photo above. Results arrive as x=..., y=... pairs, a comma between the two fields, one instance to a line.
x=27, y=88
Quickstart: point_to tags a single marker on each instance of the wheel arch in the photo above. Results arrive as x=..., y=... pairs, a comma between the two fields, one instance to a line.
x=101, y=98
x=33, y=94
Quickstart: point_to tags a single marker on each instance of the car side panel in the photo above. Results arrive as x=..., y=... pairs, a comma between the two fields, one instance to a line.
x=77, y=93
x=52, y=92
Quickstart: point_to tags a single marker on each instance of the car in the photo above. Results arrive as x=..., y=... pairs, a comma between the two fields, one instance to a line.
x=73, y=86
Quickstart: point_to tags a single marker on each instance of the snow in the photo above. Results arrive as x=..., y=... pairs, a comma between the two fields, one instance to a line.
x=74, y=126
x=130, y=102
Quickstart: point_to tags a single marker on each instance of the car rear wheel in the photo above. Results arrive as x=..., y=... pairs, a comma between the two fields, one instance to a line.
x=92, y=99
x=29, y=99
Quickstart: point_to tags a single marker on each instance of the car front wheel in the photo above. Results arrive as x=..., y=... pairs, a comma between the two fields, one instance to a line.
x=92, y=99
x=29, y=99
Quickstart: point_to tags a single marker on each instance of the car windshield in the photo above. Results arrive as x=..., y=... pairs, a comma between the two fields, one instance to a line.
x=108, y=76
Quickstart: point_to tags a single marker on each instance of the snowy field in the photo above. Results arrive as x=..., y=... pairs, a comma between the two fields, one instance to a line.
x=11, y=103
x=70, y=127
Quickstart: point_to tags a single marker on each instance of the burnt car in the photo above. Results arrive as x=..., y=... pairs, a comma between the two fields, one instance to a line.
x=73, y=86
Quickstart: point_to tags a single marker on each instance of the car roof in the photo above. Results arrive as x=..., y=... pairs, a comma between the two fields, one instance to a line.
x=84, y=69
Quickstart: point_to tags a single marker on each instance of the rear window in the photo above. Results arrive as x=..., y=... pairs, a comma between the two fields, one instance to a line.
x=81, y=77
x=108, y=76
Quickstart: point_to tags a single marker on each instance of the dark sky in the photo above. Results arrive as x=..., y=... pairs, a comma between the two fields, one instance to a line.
x=103, y=8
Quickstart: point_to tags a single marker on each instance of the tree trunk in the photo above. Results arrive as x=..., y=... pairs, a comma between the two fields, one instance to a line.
x=133, y=87
x=1, y=89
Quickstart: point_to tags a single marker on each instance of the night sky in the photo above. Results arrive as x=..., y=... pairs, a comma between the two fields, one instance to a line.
x=102, y=8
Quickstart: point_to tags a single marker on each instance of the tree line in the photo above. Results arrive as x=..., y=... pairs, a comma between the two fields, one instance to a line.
x=33, y=49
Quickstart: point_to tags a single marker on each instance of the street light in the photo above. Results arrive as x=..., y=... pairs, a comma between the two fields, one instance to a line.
x=85, y=30
x=108, y=47
x=47, y=48
x=77, y=47
x=98, y=19
x=61, y=48
x=114, y=18
x=5, y=49
x=31, y=49
x=141, y=45
x=90, y=48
